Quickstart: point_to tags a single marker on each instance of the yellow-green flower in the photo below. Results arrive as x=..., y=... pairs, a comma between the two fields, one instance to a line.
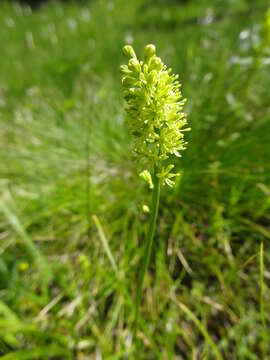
x=155, y=111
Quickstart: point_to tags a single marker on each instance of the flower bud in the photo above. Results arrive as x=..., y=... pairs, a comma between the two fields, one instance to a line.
x=128, y=51
x=124, y=69
x=146, y=176
x=145, y=209
x=128, y=81
x=134, y=65
x=156, y=63
x=153, y=76
x=149, y=51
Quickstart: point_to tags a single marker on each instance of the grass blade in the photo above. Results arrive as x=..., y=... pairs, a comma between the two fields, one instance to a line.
x=17, y=226
x=30, y=247
x=37, y=353
x=264, y=331
x=105, y=243
x=6, y=314
x=201, y=328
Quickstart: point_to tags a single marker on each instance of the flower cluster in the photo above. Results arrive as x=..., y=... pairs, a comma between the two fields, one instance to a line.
x=155, y=110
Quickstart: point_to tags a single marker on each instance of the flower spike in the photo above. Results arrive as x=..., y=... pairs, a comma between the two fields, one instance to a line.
x=155, y=111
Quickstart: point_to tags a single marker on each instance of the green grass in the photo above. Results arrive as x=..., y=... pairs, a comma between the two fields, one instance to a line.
x=65, y=156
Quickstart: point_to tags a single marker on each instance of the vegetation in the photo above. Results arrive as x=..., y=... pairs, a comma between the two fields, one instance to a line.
x=72, y=226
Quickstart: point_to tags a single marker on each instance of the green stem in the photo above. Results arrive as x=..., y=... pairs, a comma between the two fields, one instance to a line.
x=264, y=329
x=148, y=246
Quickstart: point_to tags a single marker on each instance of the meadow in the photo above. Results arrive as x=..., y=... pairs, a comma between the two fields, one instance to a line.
x=72, y=228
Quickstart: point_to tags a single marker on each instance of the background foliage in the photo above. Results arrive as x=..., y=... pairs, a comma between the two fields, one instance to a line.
x=65, y=155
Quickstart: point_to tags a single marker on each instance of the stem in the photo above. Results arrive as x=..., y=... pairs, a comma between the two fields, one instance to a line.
x=148, y=246
x=264, y=330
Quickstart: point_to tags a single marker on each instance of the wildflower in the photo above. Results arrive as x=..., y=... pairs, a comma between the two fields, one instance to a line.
x=146, y=176
x=157, y=121
x=23, y=266
x=145, y=209
x=155, y=111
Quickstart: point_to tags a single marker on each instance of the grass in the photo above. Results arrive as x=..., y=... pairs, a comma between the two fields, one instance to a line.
x=262, y=303
x=65, y=156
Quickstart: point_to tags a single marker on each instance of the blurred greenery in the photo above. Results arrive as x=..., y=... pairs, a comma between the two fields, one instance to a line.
x=65, y=156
